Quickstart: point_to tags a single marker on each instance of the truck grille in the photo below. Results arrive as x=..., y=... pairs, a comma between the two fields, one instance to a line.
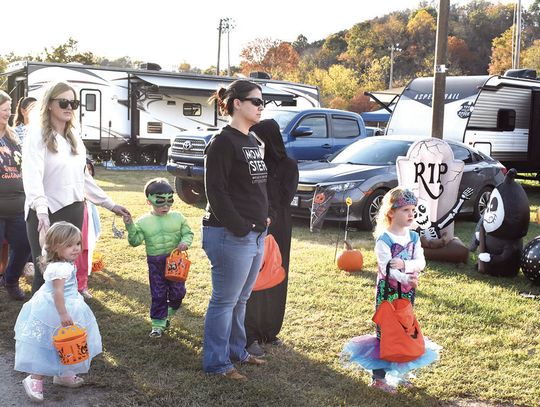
x=188, y=147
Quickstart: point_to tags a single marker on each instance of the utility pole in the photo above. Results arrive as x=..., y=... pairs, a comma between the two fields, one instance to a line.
x=439, y=82
x=219, y=44
x=392, y=48
x=515, y=62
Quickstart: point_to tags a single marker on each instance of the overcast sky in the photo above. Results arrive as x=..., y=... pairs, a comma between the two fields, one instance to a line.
x=170, y=32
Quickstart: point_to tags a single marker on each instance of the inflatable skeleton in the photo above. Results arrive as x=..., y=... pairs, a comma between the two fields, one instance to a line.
x=431, y=231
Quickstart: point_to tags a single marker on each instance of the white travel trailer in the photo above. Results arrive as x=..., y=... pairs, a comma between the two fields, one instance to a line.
x=498, y=115
x=132, y=114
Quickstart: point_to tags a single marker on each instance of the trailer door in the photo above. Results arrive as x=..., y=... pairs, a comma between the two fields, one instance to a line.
x=534, y=128
x=90, y=115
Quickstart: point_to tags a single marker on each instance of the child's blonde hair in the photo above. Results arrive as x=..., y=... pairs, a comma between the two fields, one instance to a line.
x=393, y=199
x=59, y=236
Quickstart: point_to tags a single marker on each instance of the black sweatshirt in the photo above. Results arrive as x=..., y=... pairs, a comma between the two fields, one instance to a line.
x=235, y=182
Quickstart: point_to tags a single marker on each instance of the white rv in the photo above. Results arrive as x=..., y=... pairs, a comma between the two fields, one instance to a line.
x=498, y=115
x=132, y=114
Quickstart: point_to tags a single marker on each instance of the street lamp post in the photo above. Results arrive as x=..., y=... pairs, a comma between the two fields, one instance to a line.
x=393, y=48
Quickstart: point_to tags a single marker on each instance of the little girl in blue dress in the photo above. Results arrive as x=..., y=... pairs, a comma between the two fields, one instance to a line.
x=399, y=248
x=57, y=303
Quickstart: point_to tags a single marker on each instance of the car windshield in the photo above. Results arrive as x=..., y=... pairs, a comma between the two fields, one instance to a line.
x=372, y=151
x=282, y=117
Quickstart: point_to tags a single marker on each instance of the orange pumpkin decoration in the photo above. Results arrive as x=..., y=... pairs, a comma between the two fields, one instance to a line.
x=349, y=259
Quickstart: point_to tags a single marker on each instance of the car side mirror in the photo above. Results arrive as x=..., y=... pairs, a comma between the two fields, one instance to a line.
x=506, y=119
x=302, y=131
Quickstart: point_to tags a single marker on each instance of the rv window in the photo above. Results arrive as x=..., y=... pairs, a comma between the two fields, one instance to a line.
x=90, y=102
x=345, y=128
x=506, y=120
x=192, y=109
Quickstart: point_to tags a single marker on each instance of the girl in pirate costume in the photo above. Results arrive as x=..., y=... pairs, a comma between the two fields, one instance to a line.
x=162, y=231
x=399, y=247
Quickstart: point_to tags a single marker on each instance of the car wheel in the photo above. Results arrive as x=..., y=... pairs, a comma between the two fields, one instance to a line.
x=189, y=192
x=481, y=202
x=125, y=155
x=371, y=209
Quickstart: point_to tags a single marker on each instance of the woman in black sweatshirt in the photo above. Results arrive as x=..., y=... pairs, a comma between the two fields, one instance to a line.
x=234, y=227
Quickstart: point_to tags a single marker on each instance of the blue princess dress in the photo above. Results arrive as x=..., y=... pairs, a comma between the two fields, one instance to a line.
x=34, y=349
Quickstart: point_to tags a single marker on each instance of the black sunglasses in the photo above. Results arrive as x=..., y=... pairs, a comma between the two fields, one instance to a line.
x=254, y=101
x=64, y=103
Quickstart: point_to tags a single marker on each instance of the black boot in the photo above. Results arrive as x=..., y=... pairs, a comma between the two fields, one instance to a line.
x=15, y=292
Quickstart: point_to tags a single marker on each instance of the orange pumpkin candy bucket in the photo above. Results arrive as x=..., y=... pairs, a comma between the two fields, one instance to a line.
x=70, y=343
x=177, y=266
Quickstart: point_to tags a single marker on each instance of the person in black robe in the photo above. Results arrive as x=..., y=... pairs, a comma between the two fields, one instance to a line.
x=266, y=309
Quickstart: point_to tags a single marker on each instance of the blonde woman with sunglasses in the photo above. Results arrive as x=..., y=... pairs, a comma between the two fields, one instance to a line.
x=55, y=177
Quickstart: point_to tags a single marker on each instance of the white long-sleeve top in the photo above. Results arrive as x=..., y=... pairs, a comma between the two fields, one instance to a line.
x=53, y=181
x=412, y=266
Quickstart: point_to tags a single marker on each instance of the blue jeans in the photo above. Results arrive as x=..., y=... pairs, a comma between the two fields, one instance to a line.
x=235, y=263
x=13, y=229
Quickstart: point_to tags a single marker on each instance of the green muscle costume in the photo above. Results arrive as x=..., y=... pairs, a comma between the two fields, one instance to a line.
x=161, y=234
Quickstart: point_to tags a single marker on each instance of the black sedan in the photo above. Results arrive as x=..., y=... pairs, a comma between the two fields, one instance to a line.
x=366, y=170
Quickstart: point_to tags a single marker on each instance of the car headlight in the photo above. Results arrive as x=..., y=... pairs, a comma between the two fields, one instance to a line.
x=346, y=186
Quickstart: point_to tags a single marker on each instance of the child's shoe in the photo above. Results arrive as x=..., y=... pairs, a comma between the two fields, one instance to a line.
x=156, y=332
x=68, y=381
x=86, y=294
x=382, y=385
x=406, y=384
x=33, y=388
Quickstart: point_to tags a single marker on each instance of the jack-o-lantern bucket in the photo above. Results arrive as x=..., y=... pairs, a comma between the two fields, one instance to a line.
x=70, y=343
x=97, y=262
x=177, y=266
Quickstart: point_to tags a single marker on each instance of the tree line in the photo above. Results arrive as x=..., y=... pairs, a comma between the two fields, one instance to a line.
x=349, y=62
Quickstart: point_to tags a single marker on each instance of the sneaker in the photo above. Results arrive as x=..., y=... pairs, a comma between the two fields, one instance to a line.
x=233, y=374
x=252, y=360
x=33, y=388
x=156, y=333
x=86, y=294
x=382, y=385
x=255, y=349
x=15, y=292
x=68, y=381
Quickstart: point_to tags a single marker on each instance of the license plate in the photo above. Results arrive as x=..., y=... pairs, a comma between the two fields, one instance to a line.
x=295, y=201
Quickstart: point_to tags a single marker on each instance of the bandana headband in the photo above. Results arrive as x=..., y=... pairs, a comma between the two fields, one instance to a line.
x=405, y=198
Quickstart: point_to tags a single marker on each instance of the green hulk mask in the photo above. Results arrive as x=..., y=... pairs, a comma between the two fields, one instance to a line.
x=160, y=200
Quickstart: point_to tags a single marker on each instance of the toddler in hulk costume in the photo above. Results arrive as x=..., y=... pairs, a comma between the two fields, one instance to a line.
x=162, y=231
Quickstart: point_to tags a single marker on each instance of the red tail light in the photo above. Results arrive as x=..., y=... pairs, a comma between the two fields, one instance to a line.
x=504, y=170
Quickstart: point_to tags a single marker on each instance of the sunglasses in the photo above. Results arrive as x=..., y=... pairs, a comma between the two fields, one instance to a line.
x=64, y=103
x=254, y=101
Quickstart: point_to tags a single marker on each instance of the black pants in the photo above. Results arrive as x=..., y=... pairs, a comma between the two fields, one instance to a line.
x=73, y=213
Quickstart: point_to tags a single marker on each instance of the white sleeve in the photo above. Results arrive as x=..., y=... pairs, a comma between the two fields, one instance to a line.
x=57, y=271
x=33, y=168
x=95, y=194
x=383, y=254
x=418, y=262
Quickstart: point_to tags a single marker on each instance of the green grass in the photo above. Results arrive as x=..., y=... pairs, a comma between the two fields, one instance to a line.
x=490, y=334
